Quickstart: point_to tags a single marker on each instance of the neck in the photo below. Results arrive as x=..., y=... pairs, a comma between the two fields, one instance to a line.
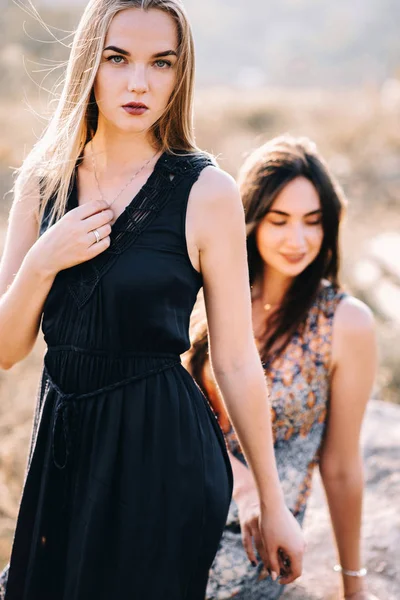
x=273, y=286
x=116, y=151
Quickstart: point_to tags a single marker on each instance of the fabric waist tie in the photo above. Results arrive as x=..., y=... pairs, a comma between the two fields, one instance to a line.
x=65, y=407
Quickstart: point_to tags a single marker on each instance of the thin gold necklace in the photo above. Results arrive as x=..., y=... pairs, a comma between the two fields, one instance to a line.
x=126, y=185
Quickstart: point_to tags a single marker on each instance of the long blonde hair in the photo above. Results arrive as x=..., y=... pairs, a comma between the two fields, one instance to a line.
x=53, y=158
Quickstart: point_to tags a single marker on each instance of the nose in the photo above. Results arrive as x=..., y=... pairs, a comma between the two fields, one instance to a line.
x=296, y=237
x=138, y=81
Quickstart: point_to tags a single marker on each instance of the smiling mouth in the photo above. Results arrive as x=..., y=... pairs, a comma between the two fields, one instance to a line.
x=294, y=258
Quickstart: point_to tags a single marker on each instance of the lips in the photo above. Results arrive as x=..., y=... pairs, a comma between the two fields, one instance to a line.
x=135, y=105
x=294, y=258
x=135, y=109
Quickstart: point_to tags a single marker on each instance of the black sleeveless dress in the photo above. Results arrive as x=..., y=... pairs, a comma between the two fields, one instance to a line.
x=129, y=482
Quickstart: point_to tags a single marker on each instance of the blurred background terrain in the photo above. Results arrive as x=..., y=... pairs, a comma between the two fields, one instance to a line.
x=327, y=70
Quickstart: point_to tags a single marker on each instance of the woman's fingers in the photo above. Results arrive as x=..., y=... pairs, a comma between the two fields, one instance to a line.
x=98, y=219
x=90, y=208
x=247, y=540
x=98, y=248
x=285, y=564
x=284, y=542
x=289, y=566
x=277, y=562
x=258, y=542
x=102, y=232
x=80, y=235
x=274, y=565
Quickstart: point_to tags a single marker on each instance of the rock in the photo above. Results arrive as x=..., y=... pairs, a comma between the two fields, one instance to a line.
x=385, y=249
x=377, y=275
x=381, y=528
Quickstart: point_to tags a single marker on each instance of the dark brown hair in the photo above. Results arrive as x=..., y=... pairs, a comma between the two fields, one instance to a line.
x=263, y=176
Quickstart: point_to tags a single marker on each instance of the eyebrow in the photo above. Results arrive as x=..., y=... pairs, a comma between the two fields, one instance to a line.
x=285, y=214
x=157, y=55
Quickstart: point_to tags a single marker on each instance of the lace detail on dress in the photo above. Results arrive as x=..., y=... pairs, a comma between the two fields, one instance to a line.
x=168, y=173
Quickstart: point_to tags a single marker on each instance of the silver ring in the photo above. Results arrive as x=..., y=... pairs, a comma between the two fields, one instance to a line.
x=96, y=235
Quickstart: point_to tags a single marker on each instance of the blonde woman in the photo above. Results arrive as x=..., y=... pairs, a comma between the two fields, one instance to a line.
x=118, y=220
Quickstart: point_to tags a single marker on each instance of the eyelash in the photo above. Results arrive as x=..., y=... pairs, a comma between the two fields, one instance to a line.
x=110, y=58
x=160, y=60
x=166, y=62
x=281, y=223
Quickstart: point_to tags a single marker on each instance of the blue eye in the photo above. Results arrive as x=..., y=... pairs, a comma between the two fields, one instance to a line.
x=111, y=59
x=162, y=64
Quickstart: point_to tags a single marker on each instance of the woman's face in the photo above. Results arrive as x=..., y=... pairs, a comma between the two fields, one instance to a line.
x=290, y=236
x=138, y=66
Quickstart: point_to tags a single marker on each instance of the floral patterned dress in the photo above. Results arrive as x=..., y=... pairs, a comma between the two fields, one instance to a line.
x=299, y=381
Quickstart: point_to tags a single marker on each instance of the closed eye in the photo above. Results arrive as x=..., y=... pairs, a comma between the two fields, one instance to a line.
x=315, y=222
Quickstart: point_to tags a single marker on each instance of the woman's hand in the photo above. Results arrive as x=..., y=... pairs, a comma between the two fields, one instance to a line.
x=283, y=542
x=277, y=537
x=249, y=515
x=71, y=240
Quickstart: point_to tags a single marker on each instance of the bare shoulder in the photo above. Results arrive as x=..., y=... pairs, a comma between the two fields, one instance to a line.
x=353, y=332
x=214, y=205
x=216, y=189
x=216, y=180
x=353, y=317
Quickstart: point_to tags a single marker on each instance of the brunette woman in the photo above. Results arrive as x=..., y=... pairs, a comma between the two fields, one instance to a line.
x=317, y=345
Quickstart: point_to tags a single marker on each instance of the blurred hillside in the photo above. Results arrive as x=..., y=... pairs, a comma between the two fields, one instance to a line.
x=277, y=42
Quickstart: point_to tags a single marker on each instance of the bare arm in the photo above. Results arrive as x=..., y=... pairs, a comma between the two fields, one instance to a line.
x=216, y=210
x=354, y=366
x=19, y=281
x=244, y=487
x=29, y=266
